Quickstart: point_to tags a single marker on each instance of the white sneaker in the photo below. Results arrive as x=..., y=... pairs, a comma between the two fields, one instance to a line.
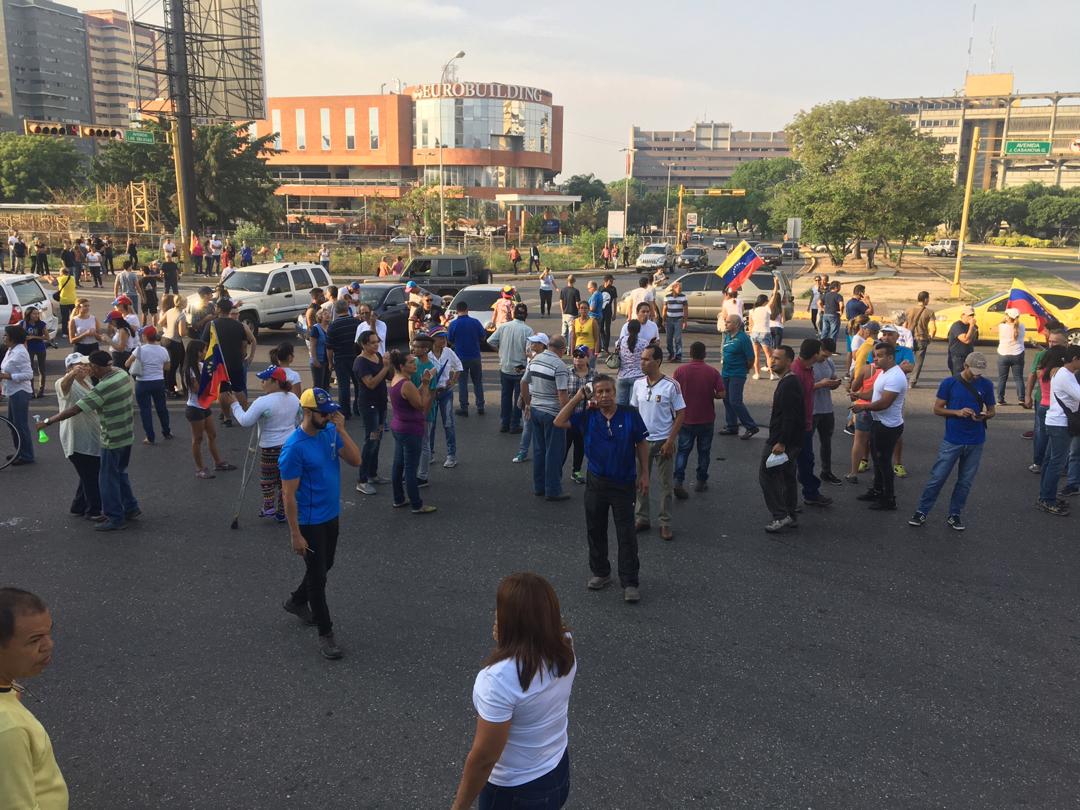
x=366, y=488
x=764, y=369
x=756, y=376
x=450, y=462
x=773, y=376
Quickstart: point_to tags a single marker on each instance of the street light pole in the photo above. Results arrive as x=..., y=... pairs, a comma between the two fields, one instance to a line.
x=964, y=216
x=667, y=198
x=439, y=141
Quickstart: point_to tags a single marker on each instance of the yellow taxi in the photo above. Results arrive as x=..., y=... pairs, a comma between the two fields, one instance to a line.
x=991, y=311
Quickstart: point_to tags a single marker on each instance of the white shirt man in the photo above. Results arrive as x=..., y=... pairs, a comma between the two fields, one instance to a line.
x=380, y=330
x=215, y=246
x=649, y=330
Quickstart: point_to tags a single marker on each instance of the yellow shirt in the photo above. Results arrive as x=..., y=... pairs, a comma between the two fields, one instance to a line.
x=30, y=779
x=586, y=334
x=67, y=289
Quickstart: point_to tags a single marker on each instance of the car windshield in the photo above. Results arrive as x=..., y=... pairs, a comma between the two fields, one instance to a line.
x=27, y=292
x=372, y=296
x=656, y=249
x=987, y=301
x=246, y=281
x=478, y=300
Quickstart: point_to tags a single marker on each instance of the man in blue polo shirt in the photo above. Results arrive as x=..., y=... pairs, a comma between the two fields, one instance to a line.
x=311, y=489
x=467, y=336
x=967, y=403
x=617, y=447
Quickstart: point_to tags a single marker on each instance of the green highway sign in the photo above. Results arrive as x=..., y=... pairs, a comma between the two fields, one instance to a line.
x=138, y=136
x=1027, y=147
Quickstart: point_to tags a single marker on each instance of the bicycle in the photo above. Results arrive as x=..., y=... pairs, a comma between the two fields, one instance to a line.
x=10, y=442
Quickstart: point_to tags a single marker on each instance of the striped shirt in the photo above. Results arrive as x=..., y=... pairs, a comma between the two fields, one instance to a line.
x=546, y=375
x=113, y=399
x=676, y=306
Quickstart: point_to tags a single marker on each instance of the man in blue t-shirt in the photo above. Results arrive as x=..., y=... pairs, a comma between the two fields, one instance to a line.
x=616, y=444
x=311, y=489
x=967, y=403
x=467, y=336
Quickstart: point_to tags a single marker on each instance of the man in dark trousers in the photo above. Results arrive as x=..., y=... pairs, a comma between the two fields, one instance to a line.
x=233, y=339
x=534, y=258
x=341, y=353
x=617, y=447
x=787, y=429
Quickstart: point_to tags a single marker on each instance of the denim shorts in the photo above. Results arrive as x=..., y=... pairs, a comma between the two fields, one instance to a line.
x=762, y=339
x=864, y=421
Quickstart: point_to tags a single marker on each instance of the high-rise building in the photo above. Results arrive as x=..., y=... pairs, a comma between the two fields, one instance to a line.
x=703, y=156
x=1023, y=137
x=43, y=67
x=112, y=65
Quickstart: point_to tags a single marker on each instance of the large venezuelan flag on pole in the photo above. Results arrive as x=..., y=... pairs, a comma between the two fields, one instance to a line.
x=214, y=372
x=739, y=264
x=1029, y=303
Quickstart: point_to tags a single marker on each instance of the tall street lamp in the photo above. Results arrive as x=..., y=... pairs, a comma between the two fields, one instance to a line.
x=667, y=197
x=439, y=142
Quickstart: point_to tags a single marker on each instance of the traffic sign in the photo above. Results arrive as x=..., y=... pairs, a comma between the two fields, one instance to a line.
x=616, y=225
x=794, y=227
x=1027, y=147
x=691, y=220
x=138, y=136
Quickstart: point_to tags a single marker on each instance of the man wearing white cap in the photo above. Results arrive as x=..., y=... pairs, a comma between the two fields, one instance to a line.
x=1010, y=355
x=80, y=436
x=963, y=335
x=543, y=392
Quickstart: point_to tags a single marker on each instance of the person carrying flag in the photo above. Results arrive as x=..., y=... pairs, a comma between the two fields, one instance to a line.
x=311, y=488
x=739, y=264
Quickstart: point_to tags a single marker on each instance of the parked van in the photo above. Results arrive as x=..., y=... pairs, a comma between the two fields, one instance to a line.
x=272, y=295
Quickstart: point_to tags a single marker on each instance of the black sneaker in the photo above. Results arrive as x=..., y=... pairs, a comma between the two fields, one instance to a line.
x=728, y=432
x=329, y=648
x=1069, y=491
x=422, y=482
x=133, y=514
x=1056, y=508
x=869, y=495
x=818, y=500
x=955, y=522
x=918, y=519
x=302, y=612
x=849, y=430
x=461, y=412
x=829, y=478
x=749, y=433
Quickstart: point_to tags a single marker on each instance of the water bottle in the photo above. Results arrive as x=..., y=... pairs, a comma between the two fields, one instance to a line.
x=42, y=436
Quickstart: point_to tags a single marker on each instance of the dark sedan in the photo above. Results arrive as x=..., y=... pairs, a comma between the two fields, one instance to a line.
x=693, y=258
x=770, y=254
x=388, y=302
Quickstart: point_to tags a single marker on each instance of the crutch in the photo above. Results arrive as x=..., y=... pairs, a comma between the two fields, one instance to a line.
x=250, y=460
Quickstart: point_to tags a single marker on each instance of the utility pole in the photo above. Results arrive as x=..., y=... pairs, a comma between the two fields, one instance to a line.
x=678, y=217
x=967, y=209
x=183, y=148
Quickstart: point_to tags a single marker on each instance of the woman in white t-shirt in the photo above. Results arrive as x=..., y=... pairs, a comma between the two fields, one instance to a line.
x=282, y=356
x=1011, y=355
x=277, y=413
x=761, y=338
x=153, y=363
x=1064, y=400
x=519, y=755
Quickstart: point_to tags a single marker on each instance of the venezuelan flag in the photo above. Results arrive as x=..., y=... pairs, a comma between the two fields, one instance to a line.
x=213, y=373
x=194, y=241
x=1029, y=303
x=739, y=264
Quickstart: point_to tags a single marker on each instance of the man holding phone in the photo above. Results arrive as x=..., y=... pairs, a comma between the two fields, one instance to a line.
x=311, y=490
x=966, y=401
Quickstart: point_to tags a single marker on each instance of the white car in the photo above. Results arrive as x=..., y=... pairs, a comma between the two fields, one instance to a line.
x=17, y=292
x=401, y=240
x=656, y=255
x=273, y=295
x=720, y=244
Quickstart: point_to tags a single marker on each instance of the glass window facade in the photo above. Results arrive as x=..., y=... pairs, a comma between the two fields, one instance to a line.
x=373, y=127
x=350, y=127
x=484, y=176
x=324, y=128
x=482, y=123
x=301, y=130
x=275, y=124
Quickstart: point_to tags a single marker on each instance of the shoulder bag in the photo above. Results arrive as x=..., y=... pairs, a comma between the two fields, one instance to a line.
x=614, y=360
x=1072, y=418
x=975, y=393
x=136, y=368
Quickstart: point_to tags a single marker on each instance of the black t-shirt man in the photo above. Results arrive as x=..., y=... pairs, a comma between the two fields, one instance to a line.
x=569, y=298
x=231, y=337
x=958, y=350
x=611, y=298
x=831, y=302
x=170, y=272
x=429, y=318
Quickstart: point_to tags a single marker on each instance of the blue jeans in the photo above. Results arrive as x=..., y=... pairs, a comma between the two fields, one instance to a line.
x=407, y=447
x=1016, y=363
x=117, y=499
x=19, y=414
x=1042, y=439
x=624, y=386
x=343, y=369
x=547, y=792
x=149, y=392
x=734, y=410
x=444, y=406
x=948, y=455
x=374, y=420
x=509, y=412
x=1073, y=478
x=549, y=450
x=688, y=436
x=830, y=326
x=674, y=337
x=804, y=465
x=1056, y=457
x=526, y=439
x=471, y=370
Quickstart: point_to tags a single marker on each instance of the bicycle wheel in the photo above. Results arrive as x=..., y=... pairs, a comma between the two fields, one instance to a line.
x=9, y=442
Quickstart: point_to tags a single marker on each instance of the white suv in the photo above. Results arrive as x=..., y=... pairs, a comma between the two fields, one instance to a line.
x=655, y=256
x=21, y=291
x=273, y=295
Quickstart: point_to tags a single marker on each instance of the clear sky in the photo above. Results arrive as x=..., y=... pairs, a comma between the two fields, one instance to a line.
x=663, y=65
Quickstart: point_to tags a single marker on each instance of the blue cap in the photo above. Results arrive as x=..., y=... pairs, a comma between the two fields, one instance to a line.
x=317, y=399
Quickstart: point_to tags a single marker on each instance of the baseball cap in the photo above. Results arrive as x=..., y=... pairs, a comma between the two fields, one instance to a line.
x=1012, y=312
x=424, y=336
x=581, y=351
x=114, y=315
x=872, y=326
x=75, y=359
x=410, y=285
x=355, y=285
x=272, y=373
x=438, y=331
x=890, y=328
x=316, y=399
x=968, y=310
x=539, y=337
x=976, y=361
x=150, y=332
x=122, y=299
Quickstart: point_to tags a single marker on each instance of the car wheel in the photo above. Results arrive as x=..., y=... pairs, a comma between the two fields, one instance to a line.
x=252, y=321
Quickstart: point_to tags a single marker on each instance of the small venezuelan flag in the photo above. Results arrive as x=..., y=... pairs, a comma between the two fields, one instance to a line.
x=214, y=372
x=1029, y=303
x=739, y=264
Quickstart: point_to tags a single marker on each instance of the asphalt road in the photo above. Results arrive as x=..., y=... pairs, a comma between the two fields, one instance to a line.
x=855, y=663
x=980, y=263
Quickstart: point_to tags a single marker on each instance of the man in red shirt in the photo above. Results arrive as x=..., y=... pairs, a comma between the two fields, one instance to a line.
x=803, y=369
x=701, y=386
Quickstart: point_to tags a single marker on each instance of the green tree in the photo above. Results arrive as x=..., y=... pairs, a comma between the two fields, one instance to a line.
x=588, y=187
x=1054, y=216
x=761, y=179
x=33, y=167
x=822, y=138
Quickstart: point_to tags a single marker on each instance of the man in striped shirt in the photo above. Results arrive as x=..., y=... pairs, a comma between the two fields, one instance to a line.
x=113, y=400
x=543, y=390
x=675, y=320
